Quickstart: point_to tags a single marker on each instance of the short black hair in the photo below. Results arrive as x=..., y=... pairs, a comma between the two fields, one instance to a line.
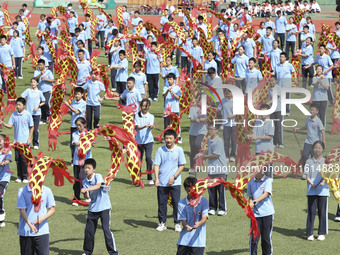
x=189, y=182
x=79, y=89
x=115, y=31
x=171, y=75
x=270, y=28
x=137, y=12
x=131, y=79
x=283, y=54
x=137, y=63
x=92, y=162
x=87, y=15
x=41, y=61
x=265, y=106
x=211, y=70
x=170, y=132
x=3, y=36
x=81, y=51
x=24, y=5
x=319, y=142
x=122, y=52
x=154, y=43
x=306, y=27
x=77, y=30
x=21, y=100
x=314, y=105
x=200, y=17
x=252, y=59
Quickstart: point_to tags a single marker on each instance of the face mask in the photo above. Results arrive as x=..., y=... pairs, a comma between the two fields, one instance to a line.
x=70, y=8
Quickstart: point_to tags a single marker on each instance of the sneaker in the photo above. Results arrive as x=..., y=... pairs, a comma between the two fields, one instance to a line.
x=113, y=89
x=192, y=170
x=88, y=200
x=337, y=219
x=211, y=212
x=124, y=150
x=321, y=237
x=232, y=159
x=304, y=177
x=42, y=123
x=151, y=182
x=155, y=99
x=180, y=140
x=36, y=147
x=281, y=146
x=161, y=227
x=2, y=224
x=310, y=238
x=221, y=213
x=150, y=99
x=71, y=164
x=227, y=159
x=20, y=77
x=178, y=227
x=312, y=86
x=74, y=204
x=18, y=180
x=25, y=181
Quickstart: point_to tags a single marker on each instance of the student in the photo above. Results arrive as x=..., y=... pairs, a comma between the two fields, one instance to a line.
x=262, y=30
x=153, y=63
x=108, y=31
x=87, y=27
x=198, y=130
x=241, y=62
x=321, y=86
x=210, y=62
x=253, y=76
x=34, y=231
x=140, y=79
x=218, y=49
x=94, y=87
x=22, y=122
x=311, y=26
x=35, y=100
x=168, y=164
x=40, y=55
x=244, y=17
x=196, y=51
x=100, y=207
x=274, y=54
x=263, y=133
x=144, y=123
x=81, y=46
x=280, y=23
x=17, y=44
x=78, y=170
x=260, y=191
x=135, y=21
x=41, y=25
x=229, y=135
x=125, y=16
x=171, y=95
x=77, y=108
x=114, y=52
x=201, y=25
x=72, y=23
x=214, y=82
x=315, y=132
x=164, y=18
x=122, y=72
x=317, y=192
x=70, y=9
x=218, y=168
x=84, y=68
x=304, y=35
x=46, y=79
x=249, y=46
x=6, y=53
x=292, y=32
x=276, y=115
x=76, y=38
x=101, y=29
x=21, y=27
x=5, y=176
x=307, y=62
x=192, y=239
x=168, y=68
x=269, y=23
x=267, y=41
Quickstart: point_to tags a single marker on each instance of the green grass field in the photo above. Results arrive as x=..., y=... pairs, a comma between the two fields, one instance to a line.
x=134, y=210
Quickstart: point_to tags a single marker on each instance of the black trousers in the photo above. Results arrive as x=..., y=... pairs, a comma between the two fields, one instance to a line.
x=290, y=46
x=186, y=250
x=79, y=174
x=320, y=203
x=241, y=84
x=229, y=137
x=185, y=63
x=3, y=187
x=338, y=212
x=282, y=37
x=195, y=142
x=95, y=111
x=31, y=245
x=121, y=86
x=219, y=67
x=72, y=146
x=322, y=111
x=305, y=72
x=45, y=109
x=90, y=231
x=220, y=202
x=18, y=67
x=89, y=46
x=147, y=148
x=265, y=225
x=330, y=93
x=278, y=138
x=100, y=34
x=178, y=55
x=167, y=122
x=36, y=121
x=153, y=80
x=162, y=198
x=21, y=165
x=306, y=153
x=113, y=78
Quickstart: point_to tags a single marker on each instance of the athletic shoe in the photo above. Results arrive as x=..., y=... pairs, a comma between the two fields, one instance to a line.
x=2, y=224
x=178, y=227
x=36, y=147
x=321, y=237
x=42, y=123
x=155, y=99
x=151, y=182
x=74, y=204
x=25, y=181
x=180, y=140
x=232, y=159
x=150, y=99
x=18, y=180
x=161, y=227
x=337, y=219
x=88, y=200
x=192, y=170
x=20, y=77
x=113, y=89
x=124, y=150
x=281, y=146
x=211, y=212
x=221, y=213
x=310, y=238
x=304, y=177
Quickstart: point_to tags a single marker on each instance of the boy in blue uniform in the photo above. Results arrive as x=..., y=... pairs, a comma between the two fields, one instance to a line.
x=77, y=108
x=5, y=176
x=306, y=53
x=122, y=66
x=140, y=79
x=218, y=168
x=315, y=132
x=168, y=164
x=259, y=192
x=280, y=31
x=101, y=29
x=100, y=207
x=23, y=130
x=192, y=239
x=33, y=226
x=35, y=100
x=168, y=68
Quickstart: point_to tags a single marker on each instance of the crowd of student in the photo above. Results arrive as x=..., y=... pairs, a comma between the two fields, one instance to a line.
x=139, y=88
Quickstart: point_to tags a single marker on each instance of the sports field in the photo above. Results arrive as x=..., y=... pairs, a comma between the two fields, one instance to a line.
x=134, y=210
